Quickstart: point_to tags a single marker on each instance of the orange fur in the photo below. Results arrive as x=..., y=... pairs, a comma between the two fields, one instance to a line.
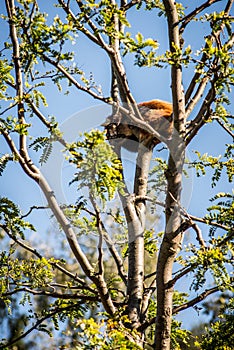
x=122, y=131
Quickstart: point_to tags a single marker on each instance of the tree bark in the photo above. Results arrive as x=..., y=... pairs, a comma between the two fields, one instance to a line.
x=136, y=229
x=173, y=231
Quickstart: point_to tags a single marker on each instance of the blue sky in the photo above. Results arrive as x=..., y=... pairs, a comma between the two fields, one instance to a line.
x=75, y=113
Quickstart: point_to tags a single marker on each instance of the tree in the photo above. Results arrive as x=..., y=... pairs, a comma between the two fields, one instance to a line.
x=111, y=298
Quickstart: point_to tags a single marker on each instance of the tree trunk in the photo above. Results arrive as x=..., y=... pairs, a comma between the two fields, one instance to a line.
x=168, y=251
x=136, y=236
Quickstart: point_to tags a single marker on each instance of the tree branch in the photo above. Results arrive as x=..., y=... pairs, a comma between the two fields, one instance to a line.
x=96, y=37
x=118, y=260
x=173, y=235
x=46, y=122
x=204, y=55
x=54, y=264
x=40, y=321
x=74, y=81
x=177, y=309
x=56, y=295
x=202, y=116
x=33, y=208
x=185, y=21
x=223, y=126
x=198, y=94
x=68, y=230
x=24, y=163
x=19, y=83
x=208, y=222
x=196, y=300
x=75, y=247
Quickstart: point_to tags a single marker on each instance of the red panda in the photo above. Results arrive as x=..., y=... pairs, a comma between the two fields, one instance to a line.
x=122, y=131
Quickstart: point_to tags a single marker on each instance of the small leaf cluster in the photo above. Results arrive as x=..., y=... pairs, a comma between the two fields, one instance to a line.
x=220, y=335
x=179, y=336
x=217, y=163
x=17, y=273
x=5, y=76
x=138, y=46
x=12, y=124
x=106, y=10
x=218, y=20
x=85, y=224
x=150, y=243
x=179, y=57
x=222, y=211
x=105, y=334
x=39, y=38
x=213, y=259
x=11, y=218
x=4, y=161
x=68, y=308
x=99, y=168
x=44, y=143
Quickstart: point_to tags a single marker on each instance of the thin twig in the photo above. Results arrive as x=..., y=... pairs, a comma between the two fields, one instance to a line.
x=187, y=305
x=224, y=126
x=131, y=3
x=208, y=222
x=204, y=57
x=9, y=108
x=104, y=235
x=187, y=19
x=33, y=208
x=56, y=295
x=96, y=38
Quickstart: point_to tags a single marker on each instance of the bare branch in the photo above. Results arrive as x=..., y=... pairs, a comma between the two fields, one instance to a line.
x=104, y=235
x=33, y=208
x=212, y=37
x=223, y=126
x=177, y=309
x=74, y=81
x=24, y=164
x=198, y=94
x=208, y=222
x=199, y=234
x=99, y=228
x=96, y=38
x=118, y=260
x=75, y=247
x=9, y=108
x=196, y=300
x=202, y=116
x=46, y=122
x=185, y=20
x=56, y=295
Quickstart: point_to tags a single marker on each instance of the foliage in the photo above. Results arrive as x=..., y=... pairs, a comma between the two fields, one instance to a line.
x=214, y=339
x=99, y=168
